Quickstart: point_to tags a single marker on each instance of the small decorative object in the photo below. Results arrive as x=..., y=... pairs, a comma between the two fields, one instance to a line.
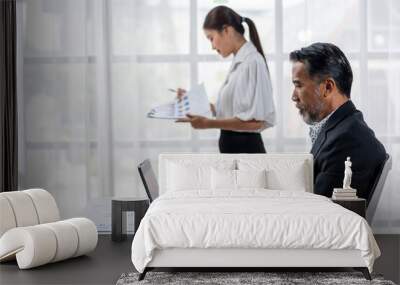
x=347, y=174
x=347, y=192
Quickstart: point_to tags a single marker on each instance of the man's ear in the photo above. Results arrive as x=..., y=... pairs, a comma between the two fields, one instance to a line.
x=330, y=86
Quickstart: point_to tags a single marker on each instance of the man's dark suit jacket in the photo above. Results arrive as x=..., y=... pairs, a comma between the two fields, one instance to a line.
x=346, y=134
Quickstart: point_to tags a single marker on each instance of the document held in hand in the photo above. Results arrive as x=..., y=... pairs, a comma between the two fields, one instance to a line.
x=194, y=102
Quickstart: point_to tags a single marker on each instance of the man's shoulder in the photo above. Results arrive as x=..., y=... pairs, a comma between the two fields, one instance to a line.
x=354, y=133
x=353, y=125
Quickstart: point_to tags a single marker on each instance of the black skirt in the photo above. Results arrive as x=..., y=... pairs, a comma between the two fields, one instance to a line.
x=240, y=142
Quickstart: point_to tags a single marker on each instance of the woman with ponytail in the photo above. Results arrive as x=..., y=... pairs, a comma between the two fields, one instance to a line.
x=245, y=105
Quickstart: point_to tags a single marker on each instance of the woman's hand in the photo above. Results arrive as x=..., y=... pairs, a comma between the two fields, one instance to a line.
x=180, y=92
x=212, y=108
x=197, y=122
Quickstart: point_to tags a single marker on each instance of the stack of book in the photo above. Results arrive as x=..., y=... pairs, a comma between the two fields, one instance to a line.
x=344, y=194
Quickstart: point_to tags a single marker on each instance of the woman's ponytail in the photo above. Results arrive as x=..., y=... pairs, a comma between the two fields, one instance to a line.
x=255, y=39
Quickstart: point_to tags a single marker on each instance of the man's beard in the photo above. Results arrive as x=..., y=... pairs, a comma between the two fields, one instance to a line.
x=311, y=114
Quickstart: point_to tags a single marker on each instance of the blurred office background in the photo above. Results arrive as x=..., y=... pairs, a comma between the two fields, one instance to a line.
x=89, y=70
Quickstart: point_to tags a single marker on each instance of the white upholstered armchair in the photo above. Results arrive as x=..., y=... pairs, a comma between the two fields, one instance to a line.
x=31, y=230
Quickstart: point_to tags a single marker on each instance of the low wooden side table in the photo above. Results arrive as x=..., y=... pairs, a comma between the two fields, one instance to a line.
x=121, y=205
x=357, y=205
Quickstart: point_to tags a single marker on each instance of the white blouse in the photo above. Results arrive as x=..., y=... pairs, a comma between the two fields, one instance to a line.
x=247, y=91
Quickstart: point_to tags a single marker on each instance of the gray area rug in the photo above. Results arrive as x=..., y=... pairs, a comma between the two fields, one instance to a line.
x=225, y=278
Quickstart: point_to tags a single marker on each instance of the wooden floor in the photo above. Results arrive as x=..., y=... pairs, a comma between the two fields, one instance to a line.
x=111, y=259
x=102, y=266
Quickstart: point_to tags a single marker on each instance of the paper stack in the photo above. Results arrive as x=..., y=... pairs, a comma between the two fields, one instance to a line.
x=165, y=111
x=194, y=102
x=344, y=194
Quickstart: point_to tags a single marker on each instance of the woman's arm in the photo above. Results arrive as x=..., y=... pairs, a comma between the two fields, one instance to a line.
x=232, y=124
x=235, y=124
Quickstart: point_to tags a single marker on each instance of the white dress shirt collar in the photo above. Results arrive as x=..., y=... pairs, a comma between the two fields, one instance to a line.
x=246, y=49
x=316, y=129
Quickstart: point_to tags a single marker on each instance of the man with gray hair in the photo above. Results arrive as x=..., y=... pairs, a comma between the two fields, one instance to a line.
x=322, y=79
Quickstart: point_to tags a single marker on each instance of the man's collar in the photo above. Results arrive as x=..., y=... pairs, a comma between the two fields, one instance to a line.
x=316, y=129
x=339, y=115
x=342, y=112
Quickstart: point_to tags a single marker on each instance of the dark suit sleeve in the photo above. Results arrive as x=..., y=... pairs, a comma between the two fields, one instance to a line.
x=325, y=182
x=331, y=164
